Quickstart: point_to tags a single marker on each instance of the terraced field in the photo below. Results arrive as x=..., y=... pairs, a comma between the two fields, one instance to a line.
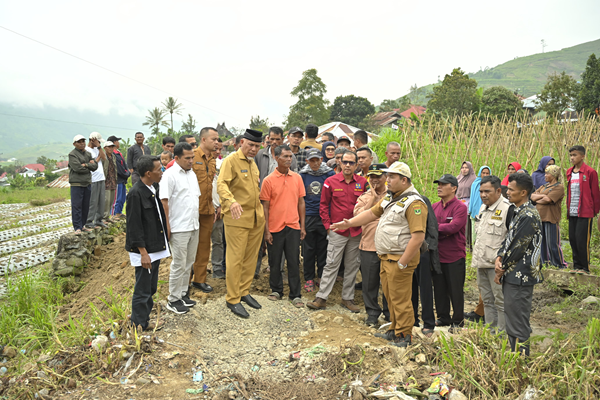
x=28, y=235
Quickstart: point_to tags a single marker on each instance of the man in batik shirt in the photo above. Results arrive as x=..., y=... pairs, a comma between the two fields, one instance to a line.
x=518, y=266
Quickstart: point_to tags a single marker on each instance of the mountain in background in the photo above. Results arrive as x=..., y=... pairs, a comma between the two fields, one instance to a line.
x=528, y=75
x=28, y=132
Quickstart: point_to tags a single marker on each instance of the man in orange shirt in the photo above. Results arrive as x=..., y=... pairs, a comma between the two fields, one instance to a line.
x=282, y=196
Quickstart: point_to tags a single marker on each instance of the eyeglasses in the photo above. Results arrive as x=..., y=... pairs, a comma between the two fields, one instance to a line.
x=194, y=144
x=329, y=150
x=348, y=162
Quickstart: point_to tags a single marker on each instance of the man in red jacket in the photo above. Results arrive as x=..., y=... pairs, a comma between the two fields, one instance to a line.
x=583, y=204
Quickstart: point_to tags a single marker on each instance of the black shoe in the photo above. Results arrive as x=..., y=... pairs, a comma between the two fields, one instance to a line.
x=358, y=286
x=388, y=335
x=439, y=322
x=251, y=302
x=401, y=341
x=101, y=224
x=238, y=309
x=218, y=274
x=177, y=307
x=187, y=301
x=473, y=316
x=454, y=328
x=205, y=287
x=372, y=320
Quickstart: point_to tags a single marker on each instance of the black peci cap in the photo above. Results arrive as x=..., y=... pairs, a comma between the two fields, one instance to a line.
x=253, y=135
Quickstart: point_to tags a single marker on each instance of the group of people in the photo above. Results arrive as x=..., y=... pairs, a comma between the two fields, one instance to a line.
x=335, y=205
x=98, y=175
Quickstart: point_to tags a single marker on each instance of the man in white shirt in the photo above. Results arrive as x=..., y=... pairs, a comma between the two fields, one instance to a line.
x=98, y=186
x=180, y=194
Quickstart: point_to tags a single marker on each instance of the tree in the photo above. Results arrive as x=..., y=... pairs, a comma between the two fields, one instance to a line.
x=401, y=104
x=457, y=95
x=171, y=106
x=259, y=124
x=558, y=93
x=588, y=98
x=498, y=100
x=351, y=109
x=42, y=160
x=189, y=126
x=311, y=107
x=155, y=119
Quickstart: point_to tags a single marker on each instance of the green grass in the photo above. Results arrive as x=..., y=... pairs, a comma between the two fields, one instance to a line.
x=37, y=196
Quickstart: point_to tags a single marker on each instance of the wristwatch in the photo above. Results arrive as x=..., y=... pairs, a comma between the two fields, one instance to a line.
x=401, y=266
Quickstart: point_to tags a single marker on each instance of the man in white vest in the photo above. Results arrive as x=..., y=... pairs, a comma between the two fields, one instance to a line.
x=494, y=218
x=398, y=238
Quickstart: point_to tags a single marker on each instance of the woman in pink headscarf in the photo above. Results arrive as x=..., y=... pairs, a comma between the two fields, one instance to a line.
x=465, y=180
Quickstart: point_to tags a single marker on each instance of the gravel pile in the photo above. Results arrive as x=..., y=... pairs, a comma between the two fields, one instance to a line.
x=261, y=344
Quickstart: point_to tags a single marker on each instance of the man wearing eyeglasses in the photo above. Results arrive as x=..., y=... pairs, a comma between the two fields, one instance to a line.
x=339, y=195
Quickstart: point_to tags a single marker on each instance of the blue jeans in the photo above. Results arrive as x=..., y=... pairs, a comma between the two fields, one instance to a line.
x=80, y=205
x=121, y=196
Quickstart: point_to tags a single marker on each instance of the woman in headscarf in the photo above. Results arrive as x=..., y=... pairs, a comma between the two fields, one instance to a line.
x=539, y=174
x=513, y=167
x=548, y=199
x=475, y=203
x=465, y=180
x=328, y=150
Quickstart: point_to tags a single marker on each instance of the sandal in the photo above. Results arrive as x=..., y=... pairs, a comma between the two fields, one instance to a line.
x=274, y=296
x=309, y=286
x=427, y=332
x=297, y=302
x=152, y=326
x=78, y=232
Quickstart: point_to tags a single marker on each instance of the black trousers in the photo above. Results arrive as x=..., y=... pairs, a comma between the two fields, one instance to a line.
x=224, y=265
x=580, y=233
x=145, y=287
x=370, y=265
x=517, y=310
x=314, y=247
x=80, y=205
x=288, y=241
x=422, y=284
x=449, y=289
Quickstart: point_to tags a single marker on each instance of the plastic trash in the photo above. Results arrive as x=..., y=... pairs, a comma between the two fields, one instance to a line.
x=3, y=370
x=197, y=377
x=99, y=343
x=112, y=335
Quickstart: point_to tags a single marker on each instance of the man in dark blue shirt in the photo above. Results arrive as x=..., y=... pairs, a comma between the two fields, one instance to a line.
x=315, y=244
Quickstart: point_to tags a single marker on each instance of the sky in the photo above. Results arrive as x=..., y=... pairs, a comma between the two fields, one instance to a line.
x=228, y=61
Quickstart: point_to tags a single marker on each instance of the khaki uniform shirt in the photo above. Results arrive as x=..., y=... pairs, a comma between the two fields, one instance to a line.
x=491, y=231
x=398, y=220
x=238, y=182
x=205, y=168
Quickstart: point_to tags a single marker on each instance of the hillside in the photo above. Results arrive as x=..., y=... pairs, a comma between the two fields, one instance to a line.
x=529, y=74
x=38, y=131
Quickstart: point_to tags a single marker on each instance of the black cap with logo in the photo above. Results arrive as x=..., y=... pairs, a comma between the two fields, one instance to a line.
x=447, y=178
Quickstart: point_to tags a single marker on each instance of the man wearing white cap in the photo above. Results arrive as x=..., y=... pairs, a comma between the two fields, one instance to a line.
x=398, y=238
x=98, y=188
x=80, y=179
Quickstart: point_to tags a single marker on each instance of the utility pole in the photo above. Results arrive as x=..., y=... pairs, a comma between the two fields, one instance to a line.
x=543, y=45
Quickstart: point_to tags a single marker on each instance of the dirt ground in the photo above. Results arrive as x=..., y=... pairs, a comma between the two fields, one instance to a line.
x=226, y=349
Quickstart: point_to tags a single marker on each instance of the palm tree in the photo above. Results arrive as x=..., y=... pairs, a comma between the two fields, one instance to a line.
x=171, y=106
x=156, y=119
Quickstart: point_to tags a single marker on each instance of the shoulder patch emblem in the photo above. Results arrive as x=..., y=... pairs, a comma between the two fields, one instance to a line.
x=417, y=211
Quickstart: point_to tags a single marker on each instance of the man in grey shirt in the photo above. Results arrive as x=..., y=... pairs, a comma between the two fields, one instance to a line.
x=134, y=153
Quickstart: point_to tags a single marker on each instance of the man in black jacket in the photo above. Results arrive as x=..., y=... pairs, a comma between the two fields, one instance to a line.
x=146, y=239
x=122, y=177
x=81, y=164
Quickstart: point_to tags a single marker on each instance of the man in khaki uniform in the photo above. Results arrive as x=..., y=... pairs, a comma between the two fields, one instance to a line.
x=244, y=220
x=398, y=238
x=494, y=218
x=205, y=168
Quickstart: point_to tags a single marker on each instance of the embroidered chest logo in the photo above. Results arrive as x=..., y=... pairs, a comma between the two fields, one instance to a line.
x=496, y=218
x=358, y=186
x=498, y=212
x=386, y=201
x=315, y=188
